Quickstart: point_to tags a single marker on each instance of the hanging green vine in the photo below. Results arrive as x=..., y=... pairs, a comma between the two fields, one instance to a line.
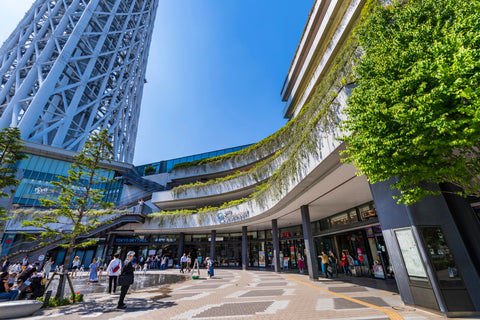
x=296, y=141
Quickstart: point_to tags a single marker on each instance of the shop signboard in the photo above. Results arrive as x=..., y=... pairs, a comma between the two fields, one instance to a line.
x=230, y=216
x=378, y=271
x=151, y=252
x=411, y=255
x=130, y=240
x=261, y=258
x=368, y=214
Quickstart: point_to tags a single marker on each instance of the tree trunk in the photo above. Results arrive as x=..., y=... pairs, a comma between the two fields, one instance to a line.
x=63, y=275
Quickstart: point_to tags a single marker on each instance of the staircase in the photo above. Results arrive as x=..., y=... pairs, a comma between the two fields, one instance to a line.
x=117, y=221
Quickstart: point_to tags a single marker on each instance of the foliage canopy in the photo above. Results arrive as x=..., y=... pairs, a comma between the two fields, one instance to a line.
x=80, y=204
x=11, y=146
x=415, y=112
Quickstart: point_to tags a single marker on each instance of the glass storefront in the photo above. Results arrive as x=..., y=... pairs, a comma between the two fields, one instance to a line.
x=361, y=238
x=38, y=172
x=365, y=245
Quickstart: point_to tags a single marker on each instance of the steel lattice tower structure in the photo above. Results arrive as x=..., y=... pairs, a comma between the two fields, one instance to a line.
x=72, y=67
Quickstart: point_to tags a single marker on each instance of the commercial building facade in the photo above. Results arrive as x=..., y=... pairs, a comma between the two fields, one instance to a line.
x=290, y=196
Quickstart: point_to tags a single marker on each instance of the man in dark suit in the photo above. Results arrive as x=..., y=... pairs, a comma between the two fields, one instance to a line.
x=128, y=273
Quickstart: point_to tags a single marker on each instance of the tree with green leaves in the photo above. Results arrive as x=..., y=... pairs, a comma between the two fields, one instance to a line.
x=11, y=147
x=80, y=205
x=415, y=111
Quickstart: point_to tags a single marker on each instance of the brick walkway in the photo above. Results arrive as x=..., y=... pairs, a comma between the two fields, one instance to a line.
x=236, y=294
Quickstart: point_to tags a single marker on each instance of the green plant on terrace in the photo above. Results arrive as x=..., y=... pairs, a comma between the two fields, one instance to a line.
x=257, y=173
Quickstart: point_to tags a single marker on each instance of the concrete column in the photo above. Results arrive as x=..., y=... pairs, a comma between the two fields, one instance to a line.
x=244, y=248
x=212, y=244
x=180, y=246
x=276, y=246
x=309, y=244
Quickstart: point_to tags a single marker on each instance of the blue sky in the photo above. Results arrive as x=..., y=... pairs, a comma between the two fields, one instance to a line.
x=215, y=72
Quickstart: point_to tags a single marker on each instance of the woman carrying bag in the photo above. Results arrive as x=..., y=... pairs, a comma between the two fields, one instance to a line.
x=126, y=278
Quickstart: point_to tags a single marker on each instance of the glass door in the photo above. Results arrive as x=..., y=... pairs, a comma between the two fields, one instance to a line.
x=234, y=256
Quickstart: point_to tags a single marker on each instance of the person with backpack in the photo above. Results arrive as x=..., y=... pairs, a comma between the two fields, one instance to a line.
x=113, y=271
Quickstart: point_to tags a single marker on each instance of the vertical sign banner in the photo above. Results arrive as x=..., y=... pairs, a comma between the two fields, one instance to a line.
x=261, y=258
x=7, y=242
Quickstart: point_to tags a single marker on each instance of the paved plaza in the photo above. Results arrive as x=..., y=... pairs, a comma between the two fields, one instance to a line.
x=236, y=294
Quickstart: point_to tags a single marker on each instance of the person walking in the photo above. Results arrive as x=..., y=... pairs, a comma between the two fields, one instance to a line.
x=162, y=263
x=93, y=271
x=113, y=271
x=333, y=262
x=189, y=263
x=209, y=263
x=75, y=265
x=301, y=264
x=126, y=278
x=47, y=267
x=344, y=263
x=326, y=263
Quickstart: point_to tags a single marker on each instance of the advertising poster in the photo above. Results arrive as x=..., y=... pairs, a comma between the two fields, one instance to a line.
x=410, y=254
x=378, y=271
x=285, y=263
x=261, y=258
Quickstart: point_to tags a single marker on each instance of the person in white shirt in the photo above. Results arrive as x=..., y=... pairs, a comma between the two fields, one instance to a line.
x=183, y=263
x=75, y=265
x=113, y=271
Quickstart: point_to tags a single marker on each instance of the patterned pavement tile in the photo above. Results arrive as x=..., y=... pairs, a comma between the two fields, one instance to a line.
x=235, y=309
x=271, y=284
x=262, y=293
x=346, y=289
x=343, y=304
x=377, y=301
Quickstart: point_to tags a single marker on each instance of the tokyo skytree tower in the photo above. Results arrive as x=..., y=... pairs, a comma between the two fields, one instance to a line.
x=73, y=67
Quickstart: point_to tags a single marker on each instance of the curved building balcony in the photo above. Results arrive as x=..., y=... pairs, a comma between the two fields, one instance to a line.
x=316, y=172
x=225, y=165
x=217, y=191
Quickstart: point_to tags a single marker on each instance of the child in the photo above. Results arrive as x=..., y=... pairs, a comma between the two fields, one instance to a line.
x=100, y=270
x=93, y=271
x=145, y=268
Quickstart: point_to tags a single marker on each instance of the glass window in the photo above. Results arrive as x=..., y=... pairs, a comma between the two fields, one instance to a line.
x=352, y=215
x=268, y=234
x=339, y=220
x=441, y=257
x=324, y=224
x=235, y=236
x=252, y=235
